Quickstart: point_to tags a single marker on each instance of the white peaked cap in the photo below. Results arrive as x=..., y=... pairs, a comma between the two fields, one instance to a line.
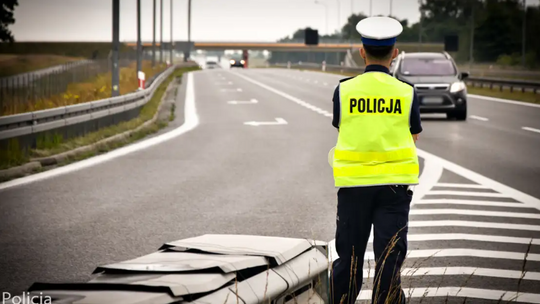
x=379, y=30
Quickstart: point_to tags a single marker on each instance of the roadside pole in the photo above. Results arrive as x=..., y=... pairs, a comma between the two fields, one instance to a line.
x=139, y=47
x=115, y=48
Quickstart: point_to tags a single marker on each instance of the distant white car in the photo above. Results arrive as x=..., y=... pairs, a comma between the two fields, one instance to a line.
x=212, y=65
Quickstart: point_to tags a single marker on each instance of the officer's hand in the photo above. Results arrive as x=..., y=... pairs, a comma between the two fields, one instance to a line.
x=415, y=137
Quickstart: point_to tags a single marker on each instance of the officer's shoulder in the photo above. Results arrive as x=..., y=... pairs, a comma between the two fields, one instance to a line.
x=405, y=82
x=345, y=79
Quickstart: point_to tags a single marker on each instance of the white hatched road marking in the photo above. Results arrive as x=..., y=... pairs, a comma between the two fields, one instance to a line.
x=475, y=213
x=467, y=237
x=443, y=201
x=464, y=252
x=466, y=193
x=482, y=272
x=472, y=224
x=465, y=292
x=433, y=170
x=469, y=186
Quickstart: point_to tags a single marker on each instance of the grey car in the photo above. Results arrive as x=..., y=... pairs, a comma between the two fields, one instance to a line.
x=439, y=85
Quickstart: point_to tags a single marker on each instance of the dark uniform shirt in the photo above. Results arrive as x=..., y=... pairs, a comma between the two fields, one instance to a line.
x=416, y=126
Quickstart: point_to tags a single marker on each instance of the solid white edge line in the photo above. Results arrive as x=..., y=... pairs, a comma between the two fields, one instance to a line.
x=190, y=122
x=473, y=224
x=428, y=179
x=530, y=129
x=444, y=201
x=474, y=213
x=455, y=185
x=464, y=292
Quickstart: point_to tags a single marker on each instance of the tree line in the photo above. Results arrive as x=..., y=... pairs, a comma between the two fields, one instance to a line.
x=495, y=25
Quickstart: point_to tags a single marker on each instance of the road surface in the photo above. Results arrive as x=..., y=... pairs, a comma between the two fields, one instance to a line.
x=251, y=158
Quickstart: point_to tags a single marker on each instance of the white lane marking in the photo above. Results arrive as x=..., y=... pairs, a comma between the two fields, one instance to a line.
x=531, y=129
x=283, y=94
x=474, y=213
x=473, y=224
x=464, y=252
x=316, y=81
x=470, y=271
x=479, y=118
x=480, y=179
x=224, y=83
x=467, y=237
x=464, y=292
x=325, y=83
x=279, y=121
x=466, y=193
x=444, y=201
x=430, y=175
x=509, y=101
x=453, y=185
x=191, y=121
x=237, y=102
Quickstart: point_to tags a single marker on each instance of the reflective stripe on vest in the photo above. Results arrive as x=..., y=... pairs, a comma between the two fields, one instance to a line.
x=375, y=146
x=375, y=156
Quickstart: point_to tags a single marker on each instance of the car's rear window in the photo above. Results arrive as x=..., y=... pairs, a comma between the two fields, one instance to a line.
x=211, y=62
x=427, y=67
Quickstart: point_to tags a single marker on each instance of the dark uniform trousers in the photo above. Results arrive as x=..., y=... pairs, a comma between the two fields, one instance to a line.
x=387, y=208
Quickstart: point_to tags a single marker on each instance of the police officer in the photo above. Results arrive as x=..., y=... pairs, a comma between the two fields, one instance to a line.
x=374, y=163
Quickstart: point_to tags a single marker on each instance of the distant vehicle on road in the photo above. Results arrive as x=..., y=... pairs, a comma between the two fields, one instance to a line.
x=212, y=65
x=238, y=63
x=439, y=85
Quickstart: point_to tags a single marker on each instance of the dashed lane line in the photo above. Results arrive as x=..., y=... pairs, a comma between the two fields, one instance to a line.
x=531, y=129
x=479, y=118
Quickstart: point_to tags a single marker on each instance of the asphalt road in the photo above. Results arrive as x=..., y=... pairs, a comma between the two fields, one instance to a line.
x=475, y=212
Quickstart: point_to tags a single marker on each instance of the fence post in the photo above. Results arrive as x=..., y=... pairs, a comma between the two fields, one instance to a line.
x=324, y=66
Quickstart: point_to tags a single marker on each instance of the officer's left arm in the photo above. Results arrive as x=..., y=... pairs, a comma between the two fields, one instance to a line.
x=415, y=121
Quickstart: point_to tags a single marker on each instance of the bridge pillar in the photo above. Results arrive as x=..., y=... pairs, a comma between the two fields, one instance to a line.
x=245, y=56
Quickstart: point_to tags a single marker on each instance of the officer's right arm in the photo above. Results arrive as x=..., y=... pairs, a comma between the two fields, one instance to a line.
x=335, y=100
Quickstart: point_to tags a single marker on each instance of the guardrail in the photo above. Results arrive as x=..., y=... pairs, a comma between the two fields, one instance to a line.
x=88, y=116
x=523, y=85
x=206, y=269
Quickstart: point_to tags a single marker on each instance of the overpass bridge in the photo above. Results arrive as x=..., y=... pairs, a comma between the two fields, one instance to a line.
x=283, y=46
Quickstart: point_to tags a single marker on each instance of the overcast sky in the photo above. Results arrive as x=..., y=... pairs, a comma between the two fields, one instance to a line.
x=212, y=20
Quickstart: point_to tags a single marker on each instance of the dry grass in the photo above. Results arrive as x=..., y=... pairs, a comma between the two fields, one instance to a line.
x=54, y=144
x=94, y=89
x=17, y=64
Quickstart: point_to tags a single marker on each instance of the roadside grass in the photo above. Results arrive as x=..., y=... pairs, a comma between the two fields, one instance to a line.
x=53, y=144
x=95, y=88
x=12, y=64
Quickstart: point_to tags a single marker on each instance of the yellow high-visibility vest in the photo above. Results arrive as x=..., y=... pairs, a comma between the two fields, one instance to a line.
x=375, y=146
